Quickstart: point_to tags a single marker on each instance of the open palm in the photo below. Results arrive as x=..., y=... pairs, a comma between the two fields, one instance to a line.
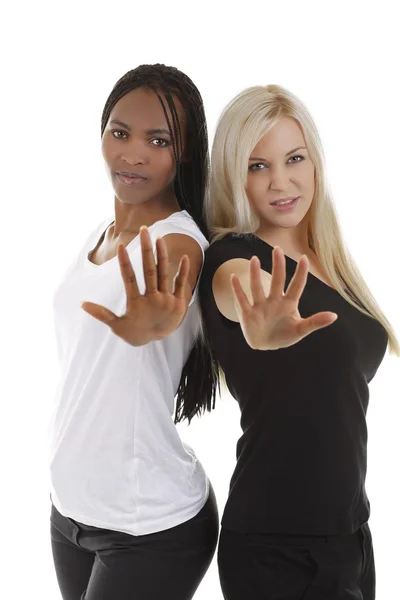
x=156, y=313
x=274, y=321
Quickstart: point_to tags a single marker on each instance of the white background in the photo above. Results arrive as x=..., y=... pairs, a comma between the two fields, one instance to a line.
x=59, y=63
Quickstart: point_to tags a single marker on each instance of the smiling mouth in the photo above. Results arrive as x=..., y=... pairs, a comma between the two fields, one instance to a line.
x=285, y=201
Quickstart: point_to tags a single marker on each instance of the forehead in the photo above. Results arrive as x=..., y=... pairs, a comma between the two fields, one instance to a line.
x=141, y=109
x=283, y=137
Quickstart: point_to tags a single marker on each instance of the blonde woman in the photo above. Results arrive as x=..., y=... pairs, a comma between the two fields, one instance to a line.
x=298, y=336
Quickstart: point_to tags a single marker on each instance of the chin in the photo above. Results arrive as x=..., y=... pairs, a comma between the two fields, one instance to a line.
x=288, y=220
x=284, y=221
x=289, y=226
x=129, y=200
x=128, y=196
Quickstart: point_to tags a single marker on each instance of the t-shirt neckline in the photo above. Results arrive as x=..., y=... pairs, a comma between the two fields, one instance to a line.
x=295, y=262
x=133, y=240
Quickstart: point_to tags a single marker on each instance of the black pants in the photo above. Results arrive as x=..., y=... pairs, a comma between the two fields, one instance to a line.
x=271, y=567
x=100, y=564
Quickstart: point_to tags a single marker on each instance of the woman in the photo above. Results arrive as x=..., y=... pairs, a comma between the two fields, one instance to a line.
x=297, y=353
x=133, y=512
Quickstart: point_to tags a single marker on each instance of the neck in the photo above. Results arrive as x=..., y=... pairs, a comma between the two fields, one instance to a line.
x=292, y=239
x=130, y=217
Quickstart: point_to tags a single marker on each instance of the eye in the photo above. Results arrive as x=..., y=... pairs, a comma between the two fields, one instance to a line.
x=299, y=156
x=116, y=133
x=161, y=143
x=257, y=167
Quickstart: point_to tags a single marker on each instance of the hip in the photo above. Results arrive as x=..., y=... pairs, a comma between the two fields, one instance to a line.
x=290, y=567
x=198, y=531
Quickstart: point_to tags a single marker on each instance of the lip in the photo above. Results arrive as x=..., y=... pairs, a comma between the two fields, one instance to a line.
x=284, y=200
x=287, y=207
x=130, y=178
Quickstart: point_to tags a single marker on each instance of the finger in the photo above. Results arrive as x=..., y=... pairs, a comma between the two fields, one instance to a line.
x=149, y=265
x=278, y=275
x=182, y=277
x=99, y=312
x=162, y=265
x=239, y=295
x=315, y=322
x=298, y=281
x=257, y=290
x=128, y=275
x=238, y=309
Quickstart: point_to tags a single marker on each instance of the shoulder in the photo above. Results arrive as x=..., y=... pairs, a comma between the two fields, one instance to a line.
x=182, y=235
x=234, y=243
x=179, y=244
x=231, y=247
x=181, y=229
x=231, y=256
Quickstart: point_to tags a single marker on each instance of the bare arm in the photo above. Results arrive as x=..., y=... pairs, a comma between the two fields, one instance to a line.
x=169, y=284
x=268, y=316
x=178, y=245
x=222, y=289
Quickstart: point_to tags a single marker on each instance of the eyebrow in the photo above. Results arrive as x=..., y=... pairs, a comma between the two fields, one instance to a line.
x=287, y=153
x=148, y=132
x=155, y=131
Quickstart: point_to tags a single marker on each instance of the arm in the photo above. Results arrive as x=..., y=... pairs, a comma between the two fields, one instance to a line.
x=268, y=316
x=160, y=310
x=222, y=288
x=178, y=245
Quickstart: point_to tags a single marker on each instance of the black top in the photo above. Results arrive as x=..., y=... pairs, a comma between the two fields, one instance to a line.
x=301, y=461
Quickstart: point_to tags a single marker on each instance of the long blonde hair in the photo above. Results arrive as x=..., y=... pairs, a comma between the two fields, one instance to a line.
x=244, y=121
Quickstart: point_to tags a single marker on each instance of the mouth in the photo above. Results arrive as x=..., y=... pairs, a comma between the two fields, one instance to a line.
x=286, y=204
x=290, y=201
x=130, y=178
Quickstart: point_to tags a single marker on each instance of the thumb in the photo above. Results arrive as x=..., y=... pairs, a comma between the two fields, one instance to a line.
x=99, y=312
x=315, y=322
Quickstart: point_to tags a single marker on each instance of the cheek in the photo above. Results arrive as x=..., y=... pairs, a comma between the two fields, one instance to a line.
x=255, y=190
x=165, y=164
x=306, y=180
x=106, y=152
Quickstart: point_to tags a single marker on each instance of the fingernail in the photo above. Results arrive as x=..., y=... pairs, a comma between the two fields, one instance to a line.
x=142, y=227
x=82, y=302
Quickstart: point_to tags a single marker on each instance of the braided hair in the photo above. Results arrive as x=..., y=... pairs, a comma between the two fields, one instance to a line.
x=199, y=380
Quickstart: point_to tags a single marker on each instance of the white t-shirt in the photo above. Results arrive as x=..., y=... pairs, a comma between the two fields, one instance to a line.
x=116, y=459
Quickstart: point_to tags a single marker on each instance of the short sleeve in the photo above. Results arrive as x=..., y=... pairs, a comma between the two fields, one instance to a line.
x=169, y=228
x=182, y=223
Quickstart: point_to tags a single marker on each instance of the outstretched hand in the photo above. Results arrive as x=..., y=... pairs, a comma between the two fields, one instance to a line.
x=156, y=313
x=274, y=321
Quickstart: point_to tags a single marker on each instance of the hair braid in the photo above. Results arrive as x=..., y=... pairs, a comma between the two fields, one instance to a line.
x=200, y=379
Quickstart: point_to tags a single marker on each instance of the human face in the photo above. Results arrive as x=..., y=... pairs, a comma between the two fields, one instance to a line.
x=137, y=148
x=280, y=168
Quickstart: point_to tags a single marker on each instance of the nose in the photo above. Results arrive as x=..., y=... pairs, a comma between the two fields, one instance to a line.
x=279, y=179
x=134, y=153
